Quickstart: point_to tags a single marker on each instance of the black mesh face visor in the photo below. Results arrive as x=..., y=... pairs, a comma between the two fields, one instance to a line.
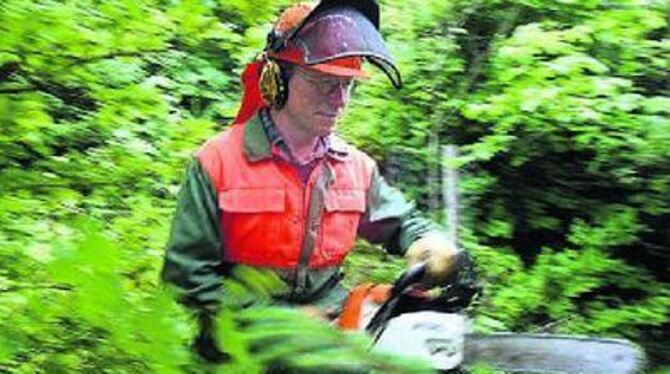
x=344, y=32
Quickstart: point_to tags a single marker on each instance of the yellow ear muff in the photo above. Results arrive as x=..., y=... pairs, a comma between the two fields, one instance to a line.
x=272, y=85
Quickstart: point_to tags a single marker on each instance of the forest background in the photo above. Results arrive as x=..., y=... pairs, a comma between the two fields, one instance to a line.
x=561, y=111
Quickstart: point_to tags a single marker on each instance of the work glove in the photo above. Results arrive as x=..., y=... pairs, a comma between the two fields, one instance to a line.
x=439, y=255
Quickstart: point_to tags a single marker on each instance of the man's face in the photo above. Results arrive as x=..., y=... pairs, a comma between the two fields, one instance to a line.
x=316, y=101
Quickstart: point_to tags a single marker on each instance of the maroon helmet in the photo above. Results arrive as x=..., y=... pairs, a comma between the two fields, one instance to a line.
x=335, y=30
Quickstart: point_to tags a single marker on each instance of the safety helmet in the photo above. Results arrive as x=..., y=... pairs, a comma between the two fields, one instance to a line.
x=335, y=30
x=333, y=38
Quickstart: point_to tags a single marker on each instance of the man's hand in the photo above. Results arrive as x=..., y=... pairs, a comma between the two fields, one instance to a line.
x=438, y=254
x=315, y=312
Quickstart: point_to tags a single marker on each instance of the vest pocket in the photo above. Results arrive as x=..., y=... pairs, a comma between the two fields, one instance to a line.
x=343, y=210
x=257, y=200
x=252, y=224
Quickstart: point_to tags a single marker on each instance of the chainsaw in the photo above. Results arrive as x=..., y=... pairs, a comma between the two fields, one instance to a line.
x=405, y=321
x=409, y=324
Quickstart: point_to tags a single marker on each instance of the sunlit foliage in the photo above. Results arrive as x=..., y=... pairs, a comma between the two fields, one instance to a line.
x=560, y=108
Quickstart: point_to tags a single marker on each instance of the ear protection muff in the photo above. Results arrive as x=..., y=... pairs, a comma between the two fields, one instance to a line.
x=274, y=84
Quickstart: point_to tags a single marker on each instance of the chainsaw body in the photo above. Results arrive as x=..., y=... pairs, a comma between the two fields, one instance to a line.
x=407, y=325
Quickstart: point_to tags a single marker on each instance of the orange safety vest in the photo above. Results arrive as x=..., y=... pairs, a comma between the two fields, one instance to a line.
x=264, y=205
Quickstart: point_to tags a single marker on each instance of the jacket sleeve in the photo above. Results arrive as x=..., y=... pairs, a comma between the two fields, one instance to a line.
x=395, y=223
x=193, y=257
x=390, y=219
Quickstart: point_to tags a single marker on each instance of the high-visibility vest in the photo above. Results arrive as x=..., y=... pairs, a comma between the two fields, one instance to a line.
x=264, y=205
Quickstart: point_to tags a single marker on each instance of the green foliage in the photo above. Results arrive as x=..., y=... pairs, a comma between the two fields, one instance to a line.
x=271, y=334
x=77, y=312
x=81, y=312
x=560, y=110
x=370, y=264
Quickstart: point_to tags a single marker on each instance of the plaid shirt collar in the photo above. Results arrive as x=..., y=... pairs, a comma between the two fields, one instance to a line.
x=326, y=146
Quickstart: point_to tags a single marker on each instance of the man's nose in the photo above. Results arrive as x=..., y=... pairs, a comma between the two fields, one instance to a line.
x=339, y=96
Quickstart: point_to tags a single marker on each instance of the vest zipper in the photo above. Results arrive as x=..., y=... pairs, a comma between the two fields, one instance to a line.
x=312, y=219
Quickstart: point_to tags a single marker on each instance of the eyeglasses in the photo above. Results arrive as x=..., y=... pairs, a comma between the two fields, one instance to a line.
x=326, y=85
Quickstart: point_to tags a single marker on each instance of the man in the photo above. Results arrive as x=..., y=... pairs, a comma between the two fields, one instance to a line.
x=279, y=190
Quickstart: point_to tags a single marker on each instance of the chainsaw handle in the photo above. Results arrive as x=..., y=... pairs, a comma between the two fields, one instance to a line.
x=411, y=276
x=408, y=278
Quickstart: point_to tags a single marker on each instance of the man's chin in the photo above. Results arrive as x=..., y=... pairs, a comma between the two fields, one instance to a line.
x=326, y=124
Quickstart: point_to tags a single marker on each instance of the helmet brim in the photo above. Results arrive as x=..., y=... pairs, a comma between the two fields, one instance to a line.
x=339, y=71
x=343, y=32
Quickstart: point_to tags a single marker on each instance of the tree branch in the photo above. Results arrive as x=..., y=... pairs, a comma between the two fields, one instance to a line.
x=85, y=59
x=56, y=287
x=480, y=59
x=16, y=90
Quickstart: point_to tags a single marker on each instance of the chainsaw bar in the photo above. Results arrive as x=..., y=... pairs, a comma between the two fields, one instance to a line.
x=538, y=353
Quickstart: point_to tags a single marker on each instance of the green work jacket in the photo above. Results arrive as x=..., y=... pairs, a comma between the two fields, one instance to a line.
x=194, y=261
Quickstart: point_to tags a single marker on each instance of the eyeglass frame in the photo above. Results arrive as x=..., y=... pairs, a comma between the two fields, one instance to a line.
x=324, y=84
